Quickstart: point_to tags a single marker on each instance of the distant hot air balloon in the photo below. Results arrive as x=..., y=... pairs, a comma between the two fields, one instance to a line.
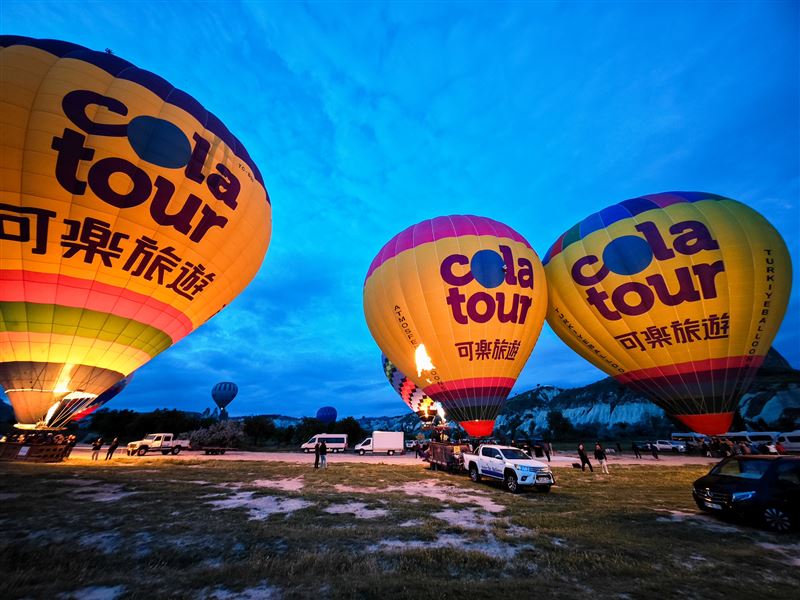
x=457, y=304
x=678, y=295
x=129, y=216
x=327, y=414
x=417, y=400
x=223, y=393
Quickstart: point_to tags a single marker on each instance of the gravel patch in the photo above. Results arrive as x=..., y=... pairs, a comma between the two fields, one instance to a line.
x=789, y=553
x=262, y=592
x=95, y=592
x=489, y=546
x=294, y=484
x=262, y=506
x=359, y=509
x=699, y=520
x=433, y=489
x=467, y=518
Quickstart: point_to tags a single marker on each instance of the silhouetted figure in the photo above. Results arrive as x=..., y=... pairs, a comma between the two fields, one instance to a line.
x=114, y=445
x=323, y=455
x=96, y=445
x=584, y=458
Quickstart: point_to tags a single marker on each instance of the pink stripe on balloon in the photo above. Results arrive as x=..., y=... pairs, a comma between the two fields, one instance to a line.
x=442, y=228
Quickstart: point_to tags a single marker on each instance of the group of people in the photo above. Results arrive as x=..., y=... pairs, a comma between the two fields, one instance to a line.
x=321, y=455
x=599, y=455
x=97, y=445
x=725, y=447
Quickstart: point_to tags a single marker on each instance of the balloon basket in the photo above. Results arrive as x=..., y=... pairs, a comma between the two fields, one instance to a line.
x=33, y=452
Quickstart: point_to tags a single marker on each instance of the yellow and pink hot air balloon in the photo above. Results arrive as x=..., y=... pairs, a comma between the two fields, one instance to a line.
x=678, y=295
x=129, y=216
x=457, y=303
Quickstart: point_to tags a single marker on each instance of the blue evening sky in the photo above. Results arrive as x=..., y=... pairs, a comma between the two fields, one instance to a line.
x=365, y=118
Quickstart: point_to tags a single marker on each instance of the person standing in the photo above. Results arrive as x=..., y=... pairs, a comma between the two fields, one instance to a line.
x=584, y=458
x=114, y=445
x=316, y=455
x=546, y=448
x=654, y=450
x=323, y=455
x=619, y=448
x=635, y=448
x=600, y=455
x=96, y=445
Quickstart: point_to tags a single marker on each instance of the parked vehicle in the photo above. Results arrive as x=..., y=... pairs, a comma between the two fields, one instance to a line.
x=669, y=446
x=410, y=444
x=335, y=442
x=390, y=442
x=447, y=456
x=510, y=465
x=763, y=488
x=755, y=438
x=790, y=440
x=157, y=442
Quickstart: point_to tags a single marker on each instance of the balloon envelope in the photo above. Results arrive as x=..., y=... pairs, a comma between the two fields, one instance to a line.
x=224, y=392
x=678, y=295
x=129, y=216
x=414, y=397
x=327, y=414
x=457, y=304
x=103, y=398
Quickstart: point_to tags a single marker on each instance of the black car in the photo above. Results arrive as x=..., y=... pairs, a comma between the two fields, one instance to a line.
x=760, y=487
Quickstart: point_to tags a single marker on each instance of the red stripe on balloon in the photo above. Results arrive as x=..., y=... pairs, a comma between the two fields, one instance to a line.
x=488, y=384
x=51, y=288
x=695, y=367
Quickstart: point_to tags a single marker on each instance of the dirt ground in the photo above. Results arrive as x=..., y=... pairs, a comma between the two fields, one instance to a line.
x=82, y=452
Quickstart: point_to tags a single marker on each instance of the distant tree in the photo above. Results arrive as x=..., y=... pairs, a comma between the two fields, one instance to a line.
x=228, y=434
x=307, y=428
x=559, y=425
x=351, y=427
x=259, y=427
x=287, y=434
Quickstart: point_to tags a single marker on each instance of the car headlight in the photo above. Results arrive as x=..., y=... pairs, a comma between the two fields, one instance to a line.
x=739, y=496
x=527, y=469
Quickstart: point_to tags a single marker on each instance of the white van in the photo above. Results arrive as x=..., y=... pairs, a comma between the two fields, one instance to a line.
x=336, y=442
x=790, y=440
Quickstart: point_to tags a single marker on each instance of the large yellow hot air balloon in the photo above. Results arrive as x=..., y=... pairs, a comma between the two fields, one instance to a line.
x=129, y=216
x=677, y=294
x=457, y=303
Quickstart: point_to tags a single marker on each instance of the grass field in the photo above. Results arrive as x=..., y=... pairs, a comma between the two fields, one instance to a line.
x=212, y=529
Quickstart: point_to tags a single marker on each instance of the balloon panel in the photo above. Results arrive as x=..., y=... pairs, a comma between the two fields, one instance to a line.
x=223, y=393
x=457, y=304
x=677, y=294
x=130, y=216
x=327, y=414
x=414, y=397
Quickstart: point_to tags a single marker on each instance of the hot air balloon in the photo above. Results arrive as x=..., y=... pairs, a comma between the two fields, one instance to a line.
x=327, y=414
x=457, y=304
x=223, y=393
x=417, y=400
x=130, y=215
x=678, y=295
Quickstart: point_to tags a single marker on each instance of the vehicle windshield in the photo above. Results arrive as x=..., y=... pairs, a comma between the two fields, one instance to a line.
x=514, y=454
x=745, y=469
x=152, y=436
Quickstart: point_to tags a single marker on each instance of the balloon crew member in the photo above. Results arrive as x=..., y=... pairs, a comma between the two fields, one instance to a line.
x=584, y=458
x=546, y=449
x=316, y=455
x=635, y=448
x=96, y=445
x=114, y=445
x=654, y=450
x=323, y=454
x=600, y=455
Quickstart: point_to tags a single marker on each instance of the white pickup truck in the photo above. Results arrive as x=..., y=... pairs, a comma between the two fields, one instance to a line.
x=157, y=442
x=510, y=465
